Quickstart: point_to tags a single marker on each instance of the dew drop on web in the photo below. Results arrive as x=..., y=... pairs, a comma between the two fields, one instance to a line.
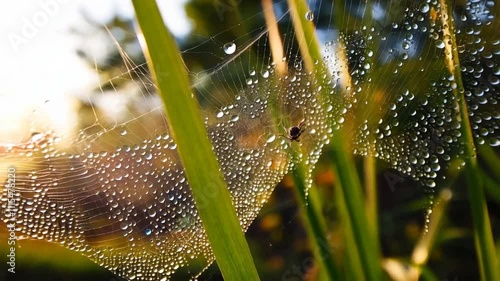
x=229, y=48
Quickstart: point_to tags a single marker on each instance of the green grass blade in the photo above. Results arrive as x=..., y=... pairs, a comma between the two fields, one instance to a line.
x=315, y=225
x=367, y=244
x=368, y=247
x=370, y=182
x=485, y=246
x=353, y=267
x=424, y=247
x=184, y=117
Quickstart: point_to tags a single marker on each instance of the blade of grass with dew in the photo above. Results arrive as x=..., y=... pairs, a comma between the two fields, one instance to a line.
x=352, y=263
x=483, y=236
x=309, y=205
x=369, y=162
x=422, y=250
x=315, y=224
x=218, y=215
x=370, y=181
x=367, y=246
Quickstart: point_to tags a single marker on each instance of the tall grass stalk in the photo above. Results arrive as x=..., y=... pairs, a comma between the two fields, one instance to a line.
x=352, y=264
x=367, y=244
x=370, y=183
x=485, y=246
x=424, y=246
x=315, y=225
x=309, y=204
x=187, y=128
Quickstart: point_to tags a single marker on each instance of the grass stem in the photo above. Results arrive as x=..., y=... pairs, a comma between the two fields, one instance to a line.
x=184, y=118
x=483, y=236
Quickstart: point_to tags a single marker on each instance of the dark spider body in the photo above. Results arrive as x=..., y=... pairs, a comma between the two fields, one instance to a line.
x=295, y=132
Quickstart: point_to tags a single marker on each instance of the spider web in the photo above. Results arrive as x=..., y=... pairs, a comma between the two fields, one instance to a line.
x=115, y=191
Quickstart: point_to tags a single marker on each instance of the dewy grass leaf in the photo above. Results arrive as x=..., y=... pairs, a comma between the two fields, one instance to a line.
x=218, y=215
x=315, y=224
x=367, y=246
x=485, y=245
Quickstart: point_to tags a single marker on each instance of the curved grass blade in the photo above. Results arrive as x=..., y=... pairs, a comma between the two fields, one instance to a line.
x=485, y=245
x=184, y=118
x=315, y=224
x=367, y=245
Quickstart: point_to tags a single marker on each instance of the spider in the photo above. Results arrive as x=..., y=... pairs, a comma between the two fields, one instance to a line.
x=295, y=132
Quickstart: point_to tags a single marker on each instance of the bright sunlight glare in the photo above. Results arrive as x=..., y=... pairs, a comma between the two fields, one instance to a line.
x=41, y=72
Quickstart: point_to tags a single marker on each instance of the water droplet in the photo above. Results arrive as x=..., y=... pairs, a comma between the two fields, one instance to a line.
x=310, y=16
x=229, y=48
x=424, y=7
x=494, y=80
x=494, y=142
x=430, y=183
x=36, y=136
x=440, y=44
x=271, y=138
x=148, y=231
x=152, y=213
x=235, y=118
